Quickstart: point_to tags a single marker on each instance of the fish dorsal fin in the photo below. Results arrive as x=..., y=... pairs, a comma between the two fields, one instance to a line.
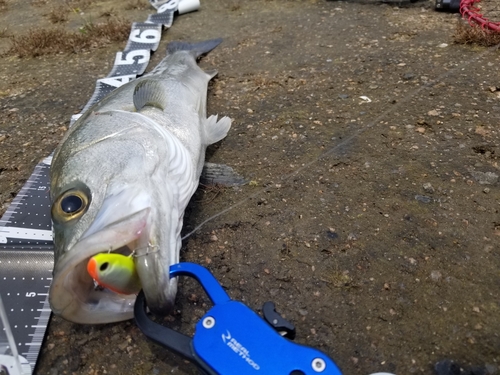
x=149, y=93
x=211, y=73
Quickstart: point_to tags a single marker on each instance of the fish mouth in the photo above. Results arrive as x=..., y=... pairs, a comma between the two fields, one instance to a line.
x=73, y=294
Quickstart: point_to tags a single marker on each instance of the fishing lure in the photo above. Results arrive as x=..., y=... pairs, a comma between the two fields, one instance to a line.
x=115, y=272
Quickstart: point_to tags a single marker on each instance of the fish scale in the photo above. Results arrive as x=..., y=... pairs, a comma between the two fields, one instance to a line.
x=26, y=246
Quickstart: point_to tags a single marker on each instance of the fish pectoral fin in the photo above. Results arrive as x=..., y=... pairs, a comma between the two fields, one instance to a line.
x=221, y=174
x=216, y=130
x=150, y=93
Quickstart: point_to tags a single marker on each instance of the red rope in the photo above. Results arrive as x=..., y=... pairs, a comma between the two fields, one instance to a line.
x=471, y=13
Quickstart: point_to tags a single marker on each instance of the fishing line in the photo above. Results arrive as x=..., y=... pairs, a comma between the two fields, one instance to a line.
x=286, y=177
x=26, y=248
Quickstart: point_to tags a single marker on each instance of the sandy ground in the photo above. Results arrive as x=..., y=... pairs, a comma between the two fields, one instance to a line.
x=372, y=224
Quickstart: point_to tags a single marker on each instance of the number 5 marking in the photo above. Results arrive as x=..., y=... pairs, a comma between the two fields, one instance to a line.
x=143, y=55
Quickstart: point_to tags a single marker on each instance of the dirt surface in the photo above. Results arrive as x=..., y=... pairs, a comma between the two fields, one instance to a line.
x=372, y=224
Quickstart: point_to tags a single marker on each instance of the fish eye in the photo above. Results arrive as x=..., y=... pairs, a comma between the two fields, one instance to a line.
x=70, y=205
x=104, y=266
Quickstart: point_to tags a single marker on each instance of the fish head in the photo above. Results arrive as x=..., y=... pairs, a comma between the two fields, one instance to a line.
x=106, y=190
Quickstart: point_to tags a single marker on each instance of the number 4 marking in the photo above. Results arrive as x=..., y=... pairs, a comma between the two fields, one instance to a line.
x=117, y=81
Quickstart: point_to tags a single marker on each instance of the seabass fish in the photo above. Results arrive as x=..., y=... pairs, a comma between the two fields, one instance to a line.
x=120, y=182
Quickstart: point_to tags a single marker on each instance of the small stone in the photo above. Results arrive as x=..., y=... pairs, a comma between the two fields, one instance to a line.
x=408, y=76
x=485, y=178
x=476, y=309
x=218, y=92
x=492, y=369
x=249, y=110
x=443, y=45
x=486, y=190
x=423, y=198
x=343, y=96
x=331, y=234
x=303, y=312
x=51, y=346
x=428, y=187
x=447, y=367
x=421, y=129
x=436, y=276
x=213, y=238
x=433, y=112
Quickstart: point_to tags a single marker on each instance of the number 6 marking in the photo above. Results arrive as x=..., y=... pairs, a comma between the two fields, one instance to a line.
x=146, y=36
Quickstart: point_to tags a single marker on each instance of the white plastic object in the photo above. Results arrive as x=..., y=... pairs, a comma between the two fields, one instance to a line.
x=186, y=6
x=10, y=360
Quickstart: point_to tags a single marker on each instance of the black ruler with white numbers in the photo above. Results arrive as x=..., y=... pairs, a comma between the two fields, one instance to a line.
x=26, y=247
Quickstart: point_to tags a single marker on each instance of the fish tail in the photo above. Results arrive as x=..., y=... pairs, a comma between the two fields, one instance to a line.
x=197, y=49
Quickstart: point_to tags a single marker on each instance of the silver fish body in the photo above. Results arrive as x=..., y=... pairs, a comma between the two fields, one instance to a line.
x=121, y=179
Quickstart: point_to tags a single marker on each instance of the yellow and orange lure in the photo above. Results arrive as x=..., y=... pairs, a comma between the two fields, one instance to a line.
x=115, y=272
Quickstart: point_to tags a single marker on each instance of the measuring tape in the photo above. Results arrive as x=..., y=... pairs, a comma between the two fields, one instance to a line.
x=26, y=247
